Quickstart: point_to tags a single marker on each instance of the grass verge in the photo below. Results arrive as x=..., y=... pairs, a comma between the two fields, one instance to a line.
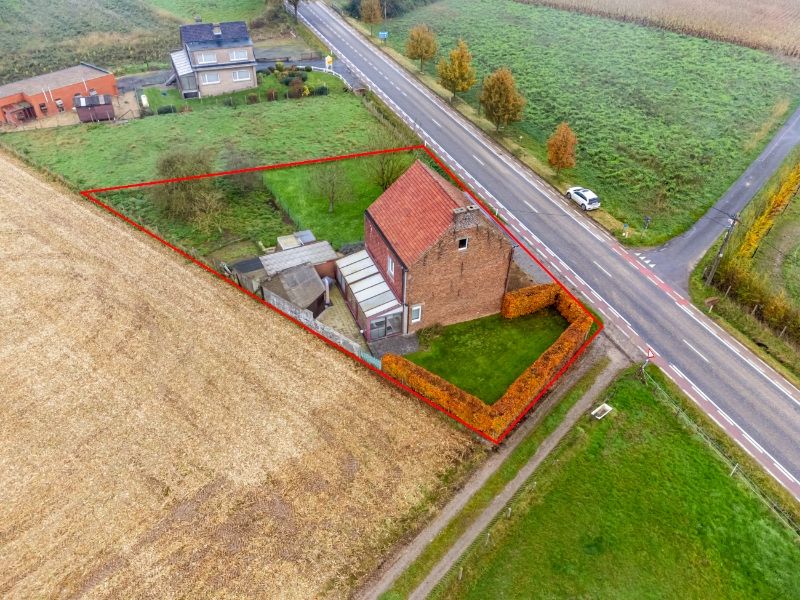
x=437, y=548
x=635, y=505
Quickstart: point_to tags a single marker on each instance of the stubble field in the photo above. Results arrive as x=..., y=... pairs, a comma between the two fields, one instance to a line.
x=165, y=436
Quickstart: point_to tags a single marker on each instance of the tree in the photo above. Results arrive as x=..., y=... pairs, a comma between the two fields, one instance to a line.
x=457, y=73
x=386, y=167
x=235, y=159
x=421, y=44
x=330, y=181
x=371, y=12
x=294, y=4
x=500, y=99
x=561, y=148
x=194, y=199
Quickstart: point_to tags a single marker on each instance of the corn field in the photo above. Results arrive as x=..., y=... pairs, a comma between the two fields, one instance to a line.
x=765, y=24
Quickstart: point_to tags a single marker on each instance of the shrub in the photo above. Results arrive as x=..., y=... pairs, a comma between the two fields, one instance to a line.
x=253, y=99
x=308, y=69
x=529, y=300
x=166, y=109
x=279, y=66
x=322, y=90
x=271, y=69
x=272, y=95
x=451, y=398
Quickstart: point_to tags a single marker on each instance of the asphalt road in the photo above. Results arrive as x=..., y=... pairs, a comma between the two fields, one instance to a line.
x=755, y=405
x=674, y=260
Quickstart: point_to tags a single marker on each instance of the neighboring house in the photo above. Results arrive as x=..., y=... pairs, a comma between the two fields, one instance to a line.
x=53, y=93
x=214, y=59
x=431, y=257
x=91, y=109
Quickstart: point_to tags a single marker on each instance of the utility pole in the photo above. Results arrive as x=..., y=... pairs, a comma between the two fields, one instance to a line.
x=718, y=257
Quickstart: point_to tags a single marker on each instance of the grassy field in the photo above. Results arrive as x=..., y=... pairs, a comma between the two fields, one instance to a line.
x=665, y=122
x=214, y=448
x=271, y=132
x=772, y=25
x=485, y=356
x=210, y=10
x=37, y=36
x=632, y=506
x=416, y=572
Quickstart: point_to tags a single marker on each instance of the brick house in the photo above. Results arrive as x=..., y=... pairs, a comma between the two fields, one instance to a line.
x=430, y=257
x=214, y=59
x=53, y=93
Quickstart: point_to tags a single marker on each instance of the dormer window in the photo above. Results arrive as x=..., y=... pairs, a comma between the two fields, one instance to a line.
x=217, y=31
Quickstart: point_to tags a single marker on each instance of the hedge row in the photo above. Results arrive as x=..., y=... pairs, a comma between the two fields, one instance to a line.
x=529, y=300
x=453, y=399
x=494, y=420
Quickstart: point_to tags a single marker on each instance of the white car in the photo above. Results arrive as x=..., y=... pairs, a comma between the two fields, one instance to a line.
x=585, y=198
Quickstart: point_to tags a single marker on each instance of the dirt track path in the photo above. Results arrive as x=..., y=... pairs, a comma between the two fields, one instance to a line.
x=413, y=550
x=165, y=436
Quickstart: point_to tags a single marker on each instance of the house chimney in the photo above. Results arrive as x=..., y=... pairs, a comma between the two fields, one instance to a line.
x=465, y=217
x=198, y=19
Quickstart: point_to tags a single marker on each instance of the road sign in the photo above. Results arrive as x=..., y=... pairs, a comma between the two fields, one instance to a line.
x=383, y=35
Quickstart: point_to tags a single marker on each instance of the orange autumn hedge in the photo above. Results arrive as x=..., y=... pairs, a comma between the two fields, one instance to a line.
x=450, y=397
x=494, y=420
x=529, y=300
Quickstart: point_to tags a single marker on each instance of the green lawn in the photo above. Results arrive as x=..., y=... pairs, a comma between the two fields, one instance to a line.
x=666, y=122
x=485, y=356
x=632, y=506
x=210, y=10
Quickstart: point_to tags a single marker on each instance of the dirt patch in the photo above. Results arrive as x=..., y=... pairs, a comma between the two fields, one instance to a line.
x=165, y=436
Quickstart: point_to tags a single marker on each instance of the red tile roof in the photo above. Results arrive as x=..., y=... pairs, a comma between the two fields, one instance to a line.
x=416, y=210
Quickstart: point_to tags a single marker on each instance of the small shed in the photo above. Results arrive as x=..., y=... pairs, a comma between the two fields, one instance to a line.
x=249, y=273
x=301, y=285
x=94, y=108
x=321, y=255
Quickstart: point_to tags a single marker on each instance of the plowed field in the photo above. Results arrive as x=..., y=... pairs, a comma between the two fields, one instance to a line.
x=165, y=436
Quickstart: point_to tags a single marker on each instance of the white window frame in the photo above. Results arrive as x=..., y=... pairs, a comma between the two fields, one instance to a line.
x=390, y=265
x=246, y=71
x=466, y=243
x=418, y=318
x=204, y=78
x=201, y=58
x=237, y=55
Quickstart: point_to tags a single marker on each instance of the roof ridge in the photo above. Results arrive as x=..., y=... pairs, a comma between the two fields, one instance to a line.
x=442, y=183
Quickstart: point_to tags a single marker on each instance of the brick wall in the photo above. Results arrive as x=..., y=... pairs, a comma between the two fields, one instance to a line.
x=455, y=285
x=105, y=84
x=379, y=251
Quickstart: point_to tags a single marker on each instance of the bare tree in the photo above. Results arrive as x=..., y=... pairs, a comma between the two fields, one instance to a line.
x=330, y=182
x=294, y=4
x=386, y=167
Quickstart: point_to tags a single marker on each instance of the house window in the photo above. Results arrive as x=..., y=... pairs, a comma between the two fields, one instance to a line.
x=241, y=75
x=390, y=266
x=43, y=108
x=207, y=58
x=59, y=105
x=462, y=243
x=238, y=55
x=209, y=78
x=92, y=92
x=416, y=313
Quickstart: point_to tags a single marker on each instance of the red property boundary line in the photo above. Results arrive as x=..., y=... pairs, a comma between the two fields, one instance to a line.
x=90, y=195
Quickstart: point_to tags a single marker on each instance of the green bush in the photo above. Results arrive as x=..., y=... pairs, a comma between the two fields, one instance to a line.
x=322, y=90
x=166, y=109
x=308, y=69
x=280, y=67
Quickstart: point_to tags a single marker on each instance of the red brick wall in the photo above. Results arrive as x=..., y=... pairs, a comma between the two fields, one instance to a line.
x=105, y=84
x=379, y=251
x=455, y=285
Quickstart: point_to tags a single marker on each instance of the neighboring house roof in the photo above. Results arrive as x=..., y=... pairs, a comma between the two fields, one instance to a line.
x=372, y=293
x=416, y=210
x=181, y=62
x=201, y=35
x=315, y=253
x=248, y=265
x=301, y=285
x=56, y=79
